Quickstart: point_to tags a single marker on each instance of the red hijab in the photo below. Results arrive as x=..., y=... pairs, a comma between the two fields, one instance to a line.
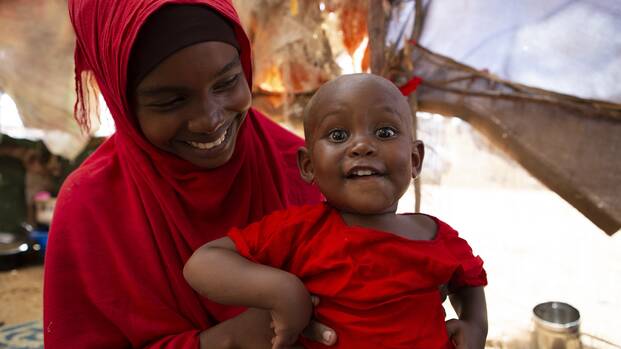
x=128, y=219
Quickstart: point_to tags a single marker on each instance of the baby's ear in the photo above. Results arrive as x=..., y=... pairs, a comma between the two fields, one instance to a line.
x=305, y=165
x=418, y=153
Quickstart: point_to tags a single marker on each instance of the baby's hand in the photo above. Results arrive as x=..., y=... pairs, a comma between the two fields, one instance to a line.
x=284, y=336
x=291, y=314
x=464, y=335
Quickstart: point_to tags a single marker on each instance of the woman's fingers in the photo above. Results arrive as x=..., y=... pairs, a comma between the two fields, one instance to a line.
x=320, y=333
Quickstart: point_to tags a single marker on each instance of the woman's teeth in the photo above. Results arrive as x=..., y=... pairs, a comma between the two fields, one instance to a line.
x=209, y=145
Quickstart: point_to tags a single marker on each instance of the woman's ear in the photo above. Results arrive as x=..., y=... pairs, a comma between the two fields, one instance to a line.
x=418, y=153
x=305, y=165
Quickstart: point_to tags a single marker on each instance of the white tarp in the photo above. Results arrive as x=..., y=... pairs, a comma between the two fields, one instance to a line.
x=566, y=46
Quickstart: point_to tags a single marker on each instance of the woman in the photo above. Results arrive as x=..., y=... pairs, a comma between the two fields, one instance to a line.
x=190, y=159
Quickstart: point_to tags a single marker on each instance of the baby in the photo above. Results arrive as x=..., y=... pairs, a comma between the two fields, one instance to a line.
x=378, y=274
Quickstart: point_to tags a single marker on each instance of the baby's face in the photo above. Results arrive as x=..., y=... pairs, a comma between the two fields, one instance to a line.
x=360, y=148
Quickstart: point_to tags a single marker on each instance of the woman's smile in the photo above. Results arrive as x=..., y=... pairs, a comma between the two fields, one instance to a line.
x=206, y=147
x=209, y=145
x=210, y=142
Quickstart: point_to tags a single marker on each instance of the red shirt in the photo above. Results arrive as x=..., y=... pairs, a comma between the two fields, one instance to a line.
x=377, y=289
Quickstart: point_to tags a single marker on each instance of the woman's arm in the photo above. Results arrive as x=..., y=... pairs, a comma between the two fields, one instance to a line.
x=470, y=306
x=219, y=273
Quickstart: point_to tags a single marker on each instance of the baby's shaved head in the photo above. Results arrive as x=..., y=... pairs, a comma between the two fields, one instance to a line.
x=329, y=93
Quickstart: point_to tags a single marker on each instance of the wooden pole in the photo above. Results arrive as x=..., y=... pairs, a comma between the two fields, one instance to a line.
x=376, y=24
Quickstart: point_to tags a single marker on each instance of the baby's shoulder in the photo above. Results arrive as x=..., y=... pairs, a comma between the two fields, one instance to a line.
x=434, y=226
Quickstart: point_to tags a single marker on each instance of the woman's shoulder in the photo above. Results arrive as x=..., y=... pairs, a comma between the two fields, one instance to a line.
x=94, y=179
x=282, y=138
x=287, y=144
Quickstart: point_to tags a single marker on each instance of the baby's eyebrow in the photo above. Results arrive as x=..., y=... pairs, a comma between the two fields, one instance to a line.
x=331, y=113
x=389, y=109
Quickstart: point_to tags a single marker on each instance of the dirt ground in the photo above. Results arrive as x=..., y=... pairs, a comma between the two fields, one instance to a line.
x=20, y=295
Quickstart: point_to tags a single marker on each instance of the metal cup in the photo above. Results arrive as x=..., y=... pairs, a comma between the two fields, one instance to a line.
x=556, y=326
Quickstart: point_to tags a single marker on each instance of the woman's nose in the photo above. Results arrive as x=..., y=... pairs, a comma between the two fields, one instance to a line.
x=208, y=120
x=362, y=147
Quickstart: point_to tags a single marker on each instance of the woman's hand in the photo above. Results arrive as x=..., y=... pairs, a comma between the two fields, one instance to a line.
x=319, y=332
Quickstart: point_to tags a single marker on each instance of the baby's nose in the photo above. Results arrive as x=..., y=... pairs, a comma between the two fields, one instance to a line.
x=362, y=148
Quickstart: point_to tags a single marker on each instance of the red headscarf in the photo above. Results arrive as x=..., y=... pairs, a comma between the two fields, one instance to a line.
x=128, y=219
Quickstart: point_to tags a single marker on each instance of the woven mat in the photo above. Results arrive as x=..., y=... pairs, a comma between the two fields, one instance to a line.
x=28, y=335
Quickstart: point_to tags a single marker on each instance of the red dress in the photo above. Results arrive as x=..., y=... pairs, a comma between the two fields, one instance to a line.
x=377, y=289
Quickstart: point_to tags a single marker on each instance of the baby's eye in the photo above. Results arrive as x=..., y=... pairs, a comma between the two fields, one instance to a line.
x=385, y=132
x=337, y=136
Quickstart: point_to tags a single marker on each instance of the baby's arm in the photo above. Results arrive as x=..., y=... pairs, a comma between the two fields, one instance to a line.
x=469, y=304
x=219, y=273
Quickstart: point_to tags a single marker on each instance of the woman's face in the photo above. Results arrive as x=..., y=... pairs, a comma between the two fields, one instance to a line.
x=193, y=103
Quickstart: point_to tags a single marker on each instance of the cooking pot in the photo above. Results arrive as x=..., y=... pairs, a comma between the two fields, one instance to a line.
x=13, y=250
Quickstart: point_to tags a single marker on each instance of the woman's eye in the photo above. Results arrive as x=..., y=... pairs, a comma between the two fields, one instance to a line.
x=337, y=136
x=168, y=103
x=385, y=132
x=226, y=84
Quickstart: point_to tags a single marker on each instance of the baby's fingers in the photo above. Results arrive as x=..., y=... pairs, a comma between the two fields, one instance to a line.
x=282, y=342
x=455, y=329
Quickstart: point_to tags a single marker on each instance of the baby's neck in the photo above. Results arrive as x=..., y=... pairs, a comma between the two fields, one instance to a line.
x=413, y=227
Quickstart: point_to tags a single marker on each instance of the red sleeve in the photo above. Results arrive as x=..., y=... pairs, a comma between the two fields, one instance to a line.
x=470, y=272
x=271, y=240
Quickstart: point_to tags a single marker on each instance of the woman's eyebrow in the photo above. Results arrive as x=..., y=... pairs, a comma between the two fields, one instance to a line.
x=230, y=65
x=150, y=92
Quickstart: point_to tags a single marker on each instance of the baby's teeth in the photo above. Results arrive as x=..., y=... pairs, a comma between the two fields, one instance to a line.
x=364, y=173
